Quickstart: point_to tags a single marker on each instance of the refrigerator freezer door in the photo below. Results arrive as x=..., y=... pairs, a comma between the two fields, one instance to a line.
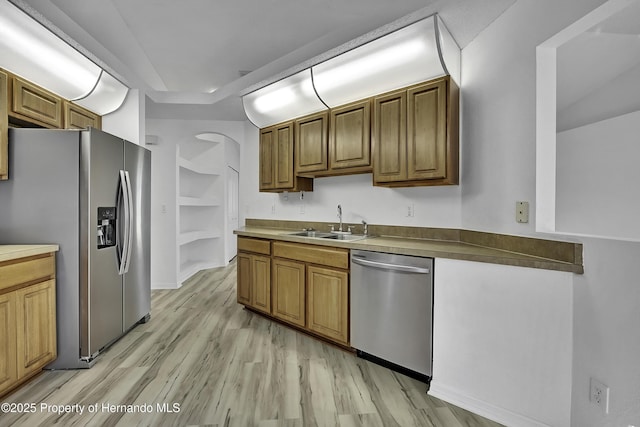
x=100, y=284
x=137, y=281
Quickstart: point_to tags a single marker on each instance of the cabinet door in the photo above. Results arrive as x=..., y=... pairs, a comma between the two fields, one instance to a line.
x=261, y=283
x=36, y=325
x=4, y=126
x=312, y=143
x=36, y=104
x=244, y=279
x=284, y=156
x=267, y=159
x=8, y=337
x=328, y=303
x=76, y=117
x=350, y=137
x=289, y=291
x=427, y=131
x=390, y=136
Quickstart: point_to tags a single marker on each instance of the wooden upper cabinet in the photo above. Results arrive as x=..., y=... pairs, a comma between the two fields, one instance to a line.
x=416, y=135
x=390, y=130
x=350, y=138
x=267, y=164
x=4, y=126
x=76, y=117
x=277, y=160
x=312, y=143
x=35, y=104
x=284, y=156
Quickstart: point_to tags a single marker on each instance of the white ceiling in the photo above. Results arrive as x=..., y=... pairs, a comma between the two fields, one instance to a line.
x=189, y=55
x=598, y=71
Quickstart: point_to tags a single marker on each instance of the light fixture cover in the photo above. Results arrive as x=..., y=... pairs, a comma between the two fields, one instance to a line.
x=410, y=55
x=291, y=97
x=31, y=51
x=108, y=95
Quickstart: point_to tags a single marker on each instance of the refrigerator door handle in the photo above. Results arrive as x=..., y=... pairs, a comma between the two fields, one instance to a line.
x=129, y=221
x=123, y=220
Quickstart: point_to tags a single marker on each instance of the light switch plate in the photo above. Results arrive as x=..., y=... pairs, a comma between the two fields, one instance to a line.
x=522, y=212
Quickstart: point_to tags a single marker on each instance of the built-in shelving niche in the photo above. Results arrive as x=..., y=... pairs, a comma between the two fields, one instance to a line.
x=199, y=165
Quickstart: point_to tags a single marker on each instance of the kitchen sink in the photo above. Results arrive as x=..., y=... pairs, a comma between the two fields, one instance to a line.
x=311, y=233
x=332, y=236
x=350, y=237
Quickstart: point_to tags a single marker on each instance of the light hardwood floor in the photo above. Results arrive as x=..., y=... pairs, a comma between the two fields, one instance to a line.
x=221, y=365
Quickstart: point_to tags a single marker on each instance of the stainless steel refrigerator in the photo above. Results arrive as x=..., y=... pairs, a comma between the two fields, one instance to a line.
x=89, y=192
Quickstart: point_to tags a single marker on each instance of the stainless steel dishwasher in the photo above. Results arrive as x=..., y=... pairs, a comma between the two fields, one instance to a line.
x=392, y=311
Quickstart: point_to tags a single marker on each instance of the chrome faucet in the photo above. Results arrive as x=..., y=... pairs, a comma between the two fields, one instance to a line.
x=365, y=228
x=340, y=217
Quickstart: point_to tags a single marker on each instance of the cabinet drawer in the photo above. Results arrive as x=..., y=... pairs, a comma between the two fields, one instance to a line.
x=26, y=270
x=32, y=102
x=333, y=257
x=76, y=117
x=254, y=245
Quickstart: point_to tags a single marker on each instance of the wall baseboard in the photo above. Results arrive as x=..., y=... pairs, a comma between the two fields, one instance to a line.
x=482, y=408
x=164, y=285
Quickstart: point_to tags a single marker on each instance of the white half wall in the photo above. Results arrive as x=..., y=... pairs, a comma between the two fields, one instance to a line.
x=502, y=341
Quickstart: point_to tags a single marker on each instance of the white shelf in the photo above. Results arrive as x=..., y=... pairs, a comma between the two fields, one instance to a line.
x=198, y=201
x=197, y=168
x=200, y=194
x=192, y=236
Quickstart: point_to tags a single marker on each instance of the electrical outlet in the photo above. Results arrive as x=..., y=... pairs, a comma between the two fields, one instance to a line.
x=410, y=210
x=302, y=208
x=599, y=394
x=273, y=208
x=522, y=212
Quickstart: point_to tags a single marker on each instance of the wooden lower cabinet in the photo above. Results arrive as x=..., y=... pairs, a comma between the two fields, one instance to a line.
x=328, y=303
x=28, y=340
x=300, y=284
x=289, y=293
x=36, y=325
x=8, y=333
x=254, y=274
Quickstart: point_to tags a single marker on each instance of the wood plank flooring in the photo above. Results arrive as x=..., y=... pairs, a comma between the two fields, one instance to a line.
x=204, y=360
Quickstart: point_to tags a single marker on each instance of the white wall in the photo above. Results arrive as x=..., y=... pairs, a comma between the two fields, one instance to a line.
x=597, y=178
x=498, y=87
x=502, y=341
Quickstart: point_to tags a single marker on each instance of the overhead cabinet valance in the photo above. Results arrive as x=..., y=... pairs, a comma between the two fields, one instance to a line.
x=34, y=53
x=416, y=53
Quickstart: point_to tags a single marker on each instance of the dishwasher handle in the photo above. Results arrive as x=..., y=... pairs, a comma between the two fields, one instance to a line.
x=390, y=267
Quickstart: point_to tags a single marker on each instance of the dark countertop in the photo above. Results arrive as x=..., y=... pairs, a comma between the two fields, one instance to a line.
x=435, y=248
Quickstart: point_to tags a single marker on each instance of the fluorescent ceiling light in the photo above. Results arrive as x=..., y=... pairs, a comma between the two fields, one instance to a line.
x=291, y=97
x=34, y=53
x=413, y=54
x=108, y=95
x=404, y=57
